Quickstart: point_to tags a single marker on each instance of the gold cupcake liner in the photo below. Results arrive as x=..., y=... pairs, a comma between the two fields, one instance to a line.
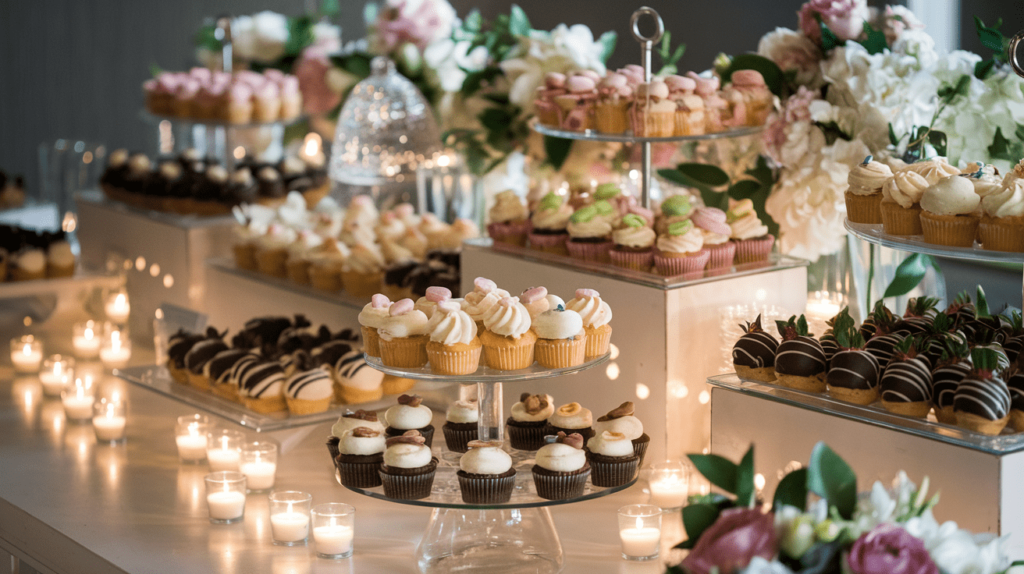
x=898, y=220
x=689, y=123
x=1002, y=233
x=506, y=354
x=949, y=230
x=272, y=262
x=598, y=340
x=406, y=352
x=864, y=208
x=245, y=256
x=307, y=406
x=371, y=341
x=325, y=278
x=561, y=353
x=454, y=360
x=298, y=271
x=611, y=117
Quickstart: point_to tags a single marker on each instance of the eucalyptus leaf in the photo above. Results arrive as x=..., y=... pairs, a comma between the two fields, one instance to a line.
x=557, y=150
x=719, y=471
x=909, y=274
x=892, y=136
x=792, y=490
x=607, y=41
x=831, y=478
x=518, y=23
x=773, y=76
x=696, y=519
x=992, y=38
x=745, y=490
x=983, y=68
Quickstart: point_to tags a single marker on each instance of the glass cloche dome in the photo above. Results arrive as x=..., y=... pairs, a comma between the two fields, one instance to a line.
x=386, y=129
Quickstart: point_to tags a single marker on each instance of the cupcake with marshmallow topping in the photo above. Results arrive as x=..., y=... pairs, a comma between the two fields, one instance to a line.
x=561, y=339
x=612, y=459
x=403, y=336
x=597, y=316
x=537, y=300
x=371, y=319
x=429, y=301
x=561, y=468
x=654, y=113
x=634, y=244
x=577, y=105
x=528, y=421
x=460, y=425
x=454, y=348
x=485, y=473
x=712, y=223
x=508, y=341
x=410, y=414
x=614, y=96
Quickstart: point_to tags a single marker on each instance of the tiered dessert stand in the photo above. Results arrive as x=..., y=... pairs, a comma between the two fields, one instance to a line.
x=517, y=536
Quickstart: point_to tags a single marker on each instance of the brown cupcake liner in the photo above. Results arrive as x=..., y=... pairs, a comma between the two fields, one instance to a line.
x=486, y=489
x=612, y=473
x=325, y=278
x=949, y=230
x=361, y=474
x=371, y=341
x=864, y=208
x=523, y=437
x=898, y=220
x=298, y=271
x=272, y=262
x=560, y=486
x=1002, y=233
x=332, y=447
x=611, y=117
x=640, y=448
x=407, y=352
x=560, y=353
x=457, y=440
x=427, y=432
x=409, y=487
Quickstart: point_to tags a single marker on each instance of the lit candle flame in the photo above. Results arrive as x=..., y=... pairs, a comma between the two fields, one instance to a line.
x=27, y=350
x=639, y=523
x=88, y=333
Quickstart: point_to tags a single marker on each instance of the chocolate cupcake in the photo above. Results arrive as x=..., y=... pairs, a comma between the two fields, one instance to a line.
x=952, y=367
x=571, y=418
x=485, y=473
x=982, y=402
x=753, y=355
x=113, y=177
x=917, y=318
x=408, y=469
x=612, y=459
x=460, y=425
x=349, y=421
x=138, y=174
x=239, y=187
x=528, y=424
x=800, y=360
x=561, y=468
x=621, y=420
x=269, y=183
x=853, y=376
x=410, y=414
x=360, y=457
x=906, y=383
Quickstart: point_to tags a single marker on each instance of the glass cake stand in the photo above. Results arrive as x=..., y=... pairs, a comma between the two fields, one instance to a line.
x=513, y=537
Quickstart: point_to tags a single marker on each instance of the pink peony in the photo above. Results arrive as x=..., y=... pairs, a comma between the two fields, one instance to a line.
x=419, y=22
x=896, y=20
x=795, y=109
x=845, y=18
x=889, y=549
x=311, y=69
x=732, y=541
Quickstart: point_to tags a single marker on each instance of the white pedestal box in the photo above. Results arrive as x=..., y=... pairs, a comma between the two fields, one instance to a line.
x=979, y=477
x=666, y=334
x=163, y=254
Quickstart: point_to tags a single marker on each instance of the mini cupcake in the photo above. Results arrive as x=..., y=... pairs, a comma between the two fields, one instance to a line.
x=621, y=420
x=537, y=300
x=800, y=360
x=900, y=206
x=653, y=114
x=454, y=348
x=864, y=196
x=510, y=221
x=433, y=297
x=712, y=223
x=572, y=418
x=673, y=210
x=28, y=265
x=548, y=225
x=757, y=98
x=371, y=319
x=548, y=112
x=589, y=235
x=272, y=250
x=266, y=100
x=561, y=468
x=611, y=112
x=753, y=242
x=634, y=244
x=612, y=459
x=689, y=106
x=906, y=384
x=948, y=212
x=715, y=108
x=681, y=250
x=326, y=263
x=507, y=340
x=1002, y=225
x=297, y=263
x=403, y=336
x=577, y=106
x=481, y=299
x=356, y=382
x=363, y=270
x=528, y=422
x=982, y=402
x=410, y=414
x=485, y=474
x=60, y=261
x=753, y=355
x=597, y=316
x=460, y=426
x=408, y=469
x=308, y=390
x=262, y=387
x=561, y=339
x=360, y=456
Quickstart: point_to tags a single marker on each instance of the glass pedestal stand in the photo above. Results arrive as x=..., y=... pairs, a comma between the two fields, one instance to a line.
x=514, y=536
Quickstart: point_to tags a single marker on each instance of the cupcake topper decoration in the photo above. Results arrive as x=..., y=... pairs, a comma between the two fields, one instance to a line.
x=438, y=294
x=484, y=285
x=624, y=410
x=574, y=440
x=583, y=214
x=362, y=415
x=867, y=159
x=380, y=301
x=793, y=328
x=408, y=437
x=680, y=228
x=410, y=400
x=603, y=207
x=607, y=191
x=484, y=444
x=569, y=409
x=534, y=403
x=677, y=205
x=508, y=301
x=551, y=201
x=401, y=307
x=365, y=432
x=585, y=293
x=633, y=220
x=533, y=294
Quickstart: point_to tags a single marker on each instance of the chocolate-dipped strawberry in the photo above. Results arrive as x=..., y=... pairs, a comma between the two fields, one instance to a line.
x=1014, y=332
x=983, y=322
x=753, y=355
x=800, y=360
x=961, y=310
x=828, y=341
x=988, y=339
x=917, y=319
x=1015, y=382
x=953, y=366
x=939, y=332
x=854, y=372
x=883, y=343
x=982, y=401
x=906, y=383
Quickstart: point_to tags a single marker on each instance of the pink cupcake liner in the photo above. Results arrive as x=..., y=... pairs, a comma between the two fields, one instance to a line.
x=754, y=250
x=721, y=255
x=509, y=232
x=595, y=252
x=639, y=261
x=671, y=266
x=548, y=240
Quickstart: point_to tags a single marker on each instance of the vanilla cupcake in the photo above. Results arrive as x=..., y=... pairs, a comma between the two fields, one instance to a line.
x=561, y=339
x=571, y=418
x=748, y=87
x=297, y=263
x=460, y=425
x=482, y=298
x=28, y=265
x=528, y=421
x=864, y=195
x=1002, y=225
x=485, y=474
x=614, y=96
x=948, y=215
x=272, y=250
x=451, y=240
x=309, y=391
x=359, y=458
x=363, y=270
x=509, y=219
x=508, y=341
x=900, y=206
x=561, y=468
x=753, y=242
x=621, y=420
x=596, y=315
x=654, y=114
x=633, y=244
x=589, y=235
x=266, y=100
x=454, y=348
x=408, y=469
x=326, y=263
x=537, y=300
x=371, y=319
x=410, y=414
x=403, y=336
x=689, y=106
x=577, y=105
x=60, y=261
x=612, y=459
x=433, y=297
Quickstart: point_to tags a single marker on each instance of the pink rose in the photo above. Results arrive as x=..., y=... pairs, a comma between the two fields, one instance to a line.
x=311, y=70
x=889, y=549
x=733, y=541
x=845, y=18
x=795, y=109
x=419, y=22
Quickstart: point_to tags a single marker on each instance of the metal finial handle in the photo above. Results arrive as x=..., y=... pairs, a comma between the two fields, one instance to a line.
x=222, y=33
x=1011, y=53
x=647, y=42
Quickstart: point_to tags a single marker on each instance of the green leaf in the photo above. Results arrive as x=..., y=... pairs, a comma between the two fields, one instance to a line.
x=557, y=150
x=762, y=172
x=607, y=41
x=829, y=40
x=992, y=38
x=745, y=189
x=705, y=174
x=518, y=23
x=495, y=119
x=696, y=519
x=300, y=35
x=155, y=70
x=792, y=490
x=892, y=136
x=206, y=37
x=1003, y=148
x=474, y=21
x=832, y=132
x=983, y=68
x=745, y=491
x=981, y=303
x=719, y=471
x=909, y=274
x=329, y=8
x=938, y=140
x=370, y=13
x=474, y=81
x=874, y=40
x=831, y=478
x=771, y=72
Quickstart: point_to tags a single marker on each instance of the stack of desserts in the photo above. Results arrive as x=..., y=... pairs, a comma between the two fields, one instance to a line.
x=278, y=363
x=489, y=327
x=240, y=98
x=192, y=185
x=610, y=227
x=357, y=250
x=26, y=254
x=963, y=364
x=623, y=102
x=944, y=204
x=12, y=191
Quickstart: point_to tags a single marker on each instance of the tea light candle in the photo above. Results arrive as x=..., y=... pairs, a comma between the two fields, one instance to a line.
x=259, y=465
x=117, y=307
x=56, y=372
x=26, y=354
x=225, y=496
x=115, y=352
x=333, y=529
x=109, y=420
x=191, y=438
x=223, y=450
x=669, y=485
x=289, y=517
x=85, y=340
x=640, y=531
x=78, y=399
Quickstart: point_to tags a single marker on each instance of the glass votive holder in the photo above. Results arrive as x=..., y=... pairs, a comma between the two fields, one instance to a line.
x=57, y=370
x=116, y=350
x=26, y=354
x=640, y=531
x=669, y=484
x=225, y=496
x=224, y=450
x=109, y=419
x=85, y=339
x=333, y=529
x=117, y=307
x=78, y=397
x=259, y=465
x=289, y=517
x=190, y=435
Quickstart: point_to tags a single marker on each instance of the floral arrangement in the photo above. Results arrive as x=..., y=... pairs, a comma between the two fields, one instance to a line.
x=879, y=532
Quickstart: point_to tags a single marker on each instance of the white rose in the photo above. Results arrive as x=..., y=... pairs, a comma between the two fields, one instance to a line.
x=269, y=34
x=327, y=36
x=919, y=44
x=958, y=551
x=448, y=61
x=792, y=50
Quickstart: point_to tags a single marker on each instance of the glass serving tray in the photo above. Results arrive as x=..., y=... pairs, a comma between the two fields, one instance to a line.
x=915, y=243
x=485, y=374
x=95, y=196
x=156, y=119
x=158, y=379
x=227, y=265
x=628, y=137
x=1005, y=443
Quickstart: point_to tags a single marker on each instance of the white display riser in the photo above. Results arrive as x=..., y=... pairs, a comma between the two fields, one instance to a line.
x=163, y=254
x=981, y=491
x=668, y=340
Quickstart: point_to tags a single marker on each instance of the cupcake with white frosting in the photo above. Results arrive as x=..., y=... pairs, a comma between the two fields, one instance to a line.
x=352, y=420
x=408, y=469
x=572, y=418
x=1002, y=225
x=509, y=219
x=485, y=473
x=948, y=212
x=326, y=263
x=612, y=459
x=561, y=468
x=403, y=336
x=371, y=319
x=528, y=422
x=901, y=202
x=28, y=265
x=460, y=425
x=621, y=420
x=864, y=194
x=434, y=295
x=360, y=456
x=272, y=250
x=508, y=341
x=481, y=299
x=363, y=270
x=454, y=348
x=596, y=315
x=410, y=414
x=537, y=300
x=561, y=339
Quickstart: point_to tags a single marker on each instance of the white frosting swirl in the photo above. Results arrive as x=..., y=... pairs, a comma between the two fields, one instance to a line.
x=556, y=324
x=403, y=455
x=610, y=444
x=406, y=417
x=748, y=227
x=485, y=460
x=548, y=302
x=933, y=169
x=571, y=416
x=596, y=227
x=508, y=320
x=986, y=185
x=507, y=207
x=361, y=445
x=520, y=414
x=559, y=457
x=906, y=187
x=450, y=325
x=556, y=219
x=346, y=424
x=479, y=305
x=868, y=179
x=630, y=426
x=1008, y=202
x=403, y=326
x=594, y=311
x=372, y=317
x=690, y=242
x=463, y=412
x=638, y=237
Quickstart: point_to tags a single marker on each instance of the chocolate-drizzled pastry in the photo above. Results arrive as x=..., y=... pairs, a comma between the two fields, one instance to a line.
x=885, y=338
x=1015, y=383
x=202, y=352
x=293, y=172
x=262, y=380
x=262, y=330
x=916, y=318
x=800, y=360
x=396, y=275
x=179, y=345
x=331, y=351
x=906, y=383
x=853, y=375
x=183, y=187
x=218, y=369
x=982, y=401
x=269, y=183
x=296, y=336
x=243, y=366
x=753, y=355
